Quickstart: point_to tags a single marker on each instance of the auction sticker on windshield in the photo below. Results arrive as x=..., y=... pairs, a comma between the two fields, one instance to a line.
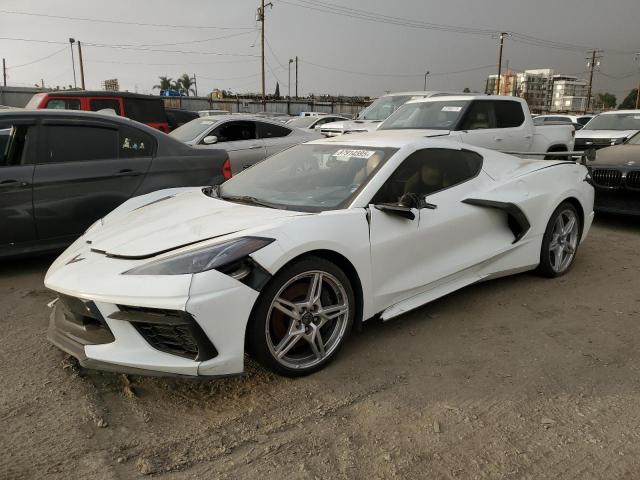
x=354, y=153
x=449, y=108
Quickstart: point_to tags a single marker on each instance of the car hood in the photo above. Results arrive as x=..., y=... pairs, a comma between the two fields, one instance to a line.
x=604, y=133
x=351, y=125
x=618, y=155
x=176, y=221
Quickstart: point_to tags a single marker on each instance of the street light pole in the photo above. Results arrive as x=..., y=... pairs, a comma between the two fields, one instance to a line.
x=81, y=65
x=289, y=84
x=73, y=63
x=425, y=80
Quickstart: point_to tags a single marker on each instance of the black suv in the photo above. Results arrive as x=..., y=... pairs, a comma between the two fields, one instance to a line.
x=60, y=171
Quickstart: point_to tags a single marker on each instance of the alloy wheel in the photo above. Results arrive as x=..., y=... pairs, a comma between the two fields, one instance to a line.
x=564, y=240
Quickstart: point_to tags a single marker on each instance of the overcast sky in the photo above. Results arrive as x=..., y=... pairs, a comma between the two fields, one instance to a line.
x=386, y=57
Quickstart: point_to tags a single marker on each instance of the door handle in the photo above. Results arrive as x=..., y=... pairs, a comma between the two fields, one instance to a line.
x=528, y=136
x=253, y=147
x=127, y=173
x=498, y=139
x=13, y=183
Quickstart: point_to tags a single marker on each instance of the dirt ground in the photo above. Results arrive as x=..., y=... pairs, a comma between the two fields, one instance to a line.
x=520, y=377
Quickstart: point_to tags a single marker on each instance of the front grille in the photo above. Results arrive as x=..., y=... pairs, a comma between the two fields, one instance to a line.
x=633, y=179
x=82, y=321
x=608, y=178
x=170, y=331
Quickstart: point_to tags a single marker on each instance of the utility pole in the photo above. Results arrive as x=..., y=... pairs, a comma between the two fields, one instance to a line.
x=296, y=76
x=592, y=63
x=195, y=84
x=502, y=35
x=425, y=80
x=4, y=72
x=260, y=18
x=81, y=65
x=638, y=91
x=289, y=84
x=73, y=63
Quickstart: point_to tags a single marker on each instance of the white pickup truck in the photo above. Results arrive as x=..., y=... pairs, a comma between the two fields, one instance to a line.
x=495, y=122
x=371, y=117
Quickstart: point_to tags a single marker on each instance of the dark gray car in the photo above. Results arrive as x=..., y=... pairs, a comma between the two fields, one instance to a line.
x=60, y=171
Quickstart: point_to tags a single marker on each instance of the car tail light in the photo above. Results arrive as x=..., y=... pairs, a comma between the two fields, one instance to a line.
x=226, y=169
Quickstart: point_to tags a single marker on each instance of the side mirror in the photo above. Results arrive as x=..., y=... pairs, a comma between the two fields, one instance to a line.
x=404, y=208
x=210, y=140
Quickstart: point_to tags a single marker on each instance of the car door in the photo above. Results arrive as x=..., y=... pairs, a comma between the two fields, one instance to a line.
x=240, y=139
x=480, y=127
x=84, y=170
x=276, y=137
x=516, y=134
x=446, y=237
x=17, y=153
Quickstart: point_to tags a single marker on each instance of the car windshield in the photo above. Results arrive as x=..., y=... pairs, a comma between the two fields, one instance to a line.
x=433, y=115
x=307, y=177
x=383, y=107
x=635, y=140
x=302, y=122
x=615, y=121
x=193, y=129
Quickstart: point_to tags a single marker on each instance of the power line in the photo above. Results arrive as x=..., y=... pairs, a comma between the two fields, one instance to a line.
x=38, y=60
x=398, y=75
x=123, y=22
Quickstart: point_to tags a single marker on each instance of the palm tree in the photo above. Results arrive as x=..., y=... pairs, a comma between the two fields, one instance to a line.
x=185, y=83
x=165, y=83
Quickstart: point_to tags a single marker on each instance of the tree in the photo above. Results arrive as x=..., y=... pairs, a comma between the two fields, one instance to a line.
x=608, y=100
x=184, y=84
x=166, y=83
x=277, y=94
x=629, y=103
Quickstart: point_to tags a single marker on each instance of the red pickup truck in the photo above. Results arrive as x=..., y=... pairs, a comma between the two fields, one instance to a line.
x=141, y=108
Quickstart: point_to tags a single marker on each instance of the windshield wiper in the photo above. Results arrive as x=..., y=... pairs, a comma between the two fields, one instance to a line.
x=251, y=200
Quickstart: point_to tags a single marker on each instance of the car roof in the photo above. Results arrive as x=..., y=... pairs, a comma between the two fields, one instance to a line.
x=96, y=93
x=240, y=116
x=617, y=112
x=454, y=98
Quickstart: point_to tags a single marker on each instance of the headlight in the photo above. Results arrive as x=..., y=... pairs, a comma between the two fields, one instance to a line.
x=617, y=141
x=205, y=258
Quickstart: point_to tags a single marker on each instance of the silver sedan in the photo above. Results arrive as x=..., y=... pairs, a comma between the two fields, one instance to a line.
x=246, y=139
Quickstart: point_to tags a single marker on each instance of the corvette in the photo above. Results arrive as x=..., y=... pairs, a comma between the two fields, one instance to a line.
x=282, y=260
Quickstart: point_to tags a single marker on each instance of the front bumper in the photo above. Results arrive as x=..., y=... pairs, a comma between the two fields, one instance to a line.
x=149, y=325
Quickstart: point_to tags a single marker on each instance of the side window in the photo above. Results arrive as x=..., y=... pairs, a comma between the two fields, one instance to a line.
x=508, y=114
x=96, y=104
x=480, y=115
x=428, y=171
x=145, y=110
x=135, y=143
x=14, y=144
x=64, y=104
x=73, y=143
x=235, y=131
x=269, y=130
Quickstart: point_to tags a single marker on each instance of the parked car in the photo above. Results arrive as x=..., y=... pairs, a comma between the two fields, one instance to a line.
x=489, y=121
x=371, y=117
x=211, y=113
x=312, y=114
x=608, y=128
x=178, y=117
x=616, y=176
x=60, y=171
x=314, y=122
x=581, y=120
x=247, y=139
x=147, y=109
x=282, y=260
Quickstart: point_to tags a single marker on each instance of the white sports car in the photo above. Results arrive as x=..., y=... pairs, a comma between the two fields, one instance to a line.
x=282, y=260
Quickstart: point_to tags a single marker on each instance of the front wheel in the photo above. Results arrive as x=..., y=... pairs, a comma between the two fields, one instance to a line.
x=302, y=318
x=560, y=241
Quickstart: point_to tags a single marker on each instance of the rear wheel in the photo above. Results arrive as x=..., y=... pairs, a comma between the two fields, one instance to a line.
x=302, y=318
x=560, y=241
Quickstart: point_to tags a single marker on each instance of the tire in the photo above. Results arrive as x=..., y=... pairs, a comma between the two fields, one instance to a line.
x=560, y=241
x=296, y=329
